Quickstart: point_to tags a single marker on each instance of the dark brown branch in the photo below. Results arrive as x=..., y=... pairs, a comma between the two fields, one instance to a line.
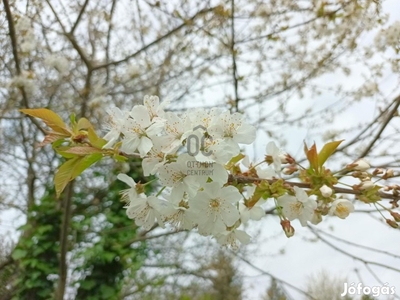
x=63, y=267
x=13, y=35
x=233, y=54
x=271, y=34
x=143, y=237
x=108, y=39
x=72, y=39
x=357, y=138
x=79, y=17
x=272, y=276
x=244, y=179
x=389, y=117
x=155, y=42
x=347, y=242
x=13, y=38
x=349, y=254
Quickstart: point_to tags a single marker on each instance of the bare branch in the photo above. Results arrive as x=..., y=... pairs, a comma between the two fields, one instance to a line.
x=389, y=117
x=272, y=276
x=233, y=54
x=79, y=17
x=349, y=254
x=13, y=38
x=155, y=42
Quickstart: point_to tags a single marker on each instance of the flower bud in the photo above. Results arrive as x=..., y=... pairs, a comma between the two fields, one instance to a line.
x=377, y=171
x=395, y=215
x=389, y=173
x=325, y=191
x=316, y=218
x=290, y=170
x=365, y=185
x=361, y=165
x=283, y=158
x=287, y=228
x=341, y=208
x=392, y=223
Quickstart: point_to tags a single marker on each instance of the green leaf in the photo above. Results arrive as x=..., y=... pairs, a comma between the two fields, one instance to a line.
x=51, y=119
x=19, y=253
x=94, y=139
x=85, y=163
x=83, y=124
x=72, y=119
x=236, y=159
x=327, y=151
x=51, y=138
x=81, y=150
x=120, y=158
x=63, y=152
x=73, y=168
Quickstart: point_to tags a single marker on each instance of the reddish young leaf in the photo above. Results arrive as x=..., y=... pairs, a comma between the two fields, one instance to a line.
x=312, y=157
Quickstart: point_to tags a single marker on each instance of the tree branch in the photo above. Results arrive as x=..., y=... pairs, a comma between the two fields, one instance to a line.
x=349, y=254
x=244, y=179
x=233, y=54
x=272, y=276
x=13, y=38
x=63, y=266
x=155, y=42
x=389, y=117
x=79, y=17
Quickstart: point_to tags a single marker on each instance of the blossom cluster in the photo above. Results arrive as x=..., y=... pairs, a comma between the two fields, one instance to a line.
x=26, y=33
x=190, y=154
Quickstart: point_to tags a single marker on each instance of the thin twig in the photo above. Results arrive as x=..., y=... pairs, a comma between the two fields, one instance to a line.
x=155, y=42
x=66, y=219
x=272, y=276
x=349, y=254
x=79, y=17
x=389, y=117
x=233, y=54
x=357, y=245
x=13, y=38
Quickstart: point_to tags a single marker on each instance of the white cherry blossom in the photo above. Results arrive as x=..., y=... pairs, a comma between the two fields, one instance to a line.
x=145, y=211
x=256, y=212
x=232, y=129
x=175, y=128
x=116, y=122
x=233, y=238
x=341, y=208
x=179, y=215
x=155, y=109
x=325, y=191
x=175, y=175
x=154, y=159
x=138, y=131
x=131, y=193
x=276, y=155
x=299, y=206
x=251, y=213
x=215, y=208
